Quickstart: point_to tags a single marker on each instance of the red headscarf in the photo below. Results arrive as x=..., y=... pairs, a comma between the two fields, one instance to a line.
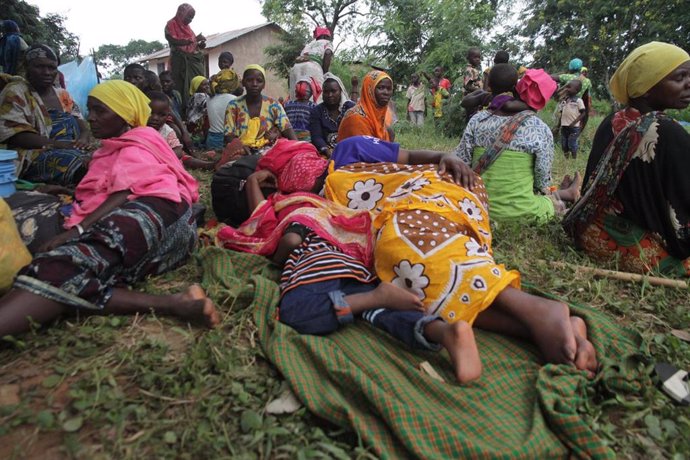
x=366, y=118
x=320, y=31
x=296, y=164
x=179, y=30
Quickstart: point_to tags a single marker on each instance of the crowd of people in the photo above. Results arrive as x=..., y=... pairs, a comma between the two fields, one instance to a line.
x=361, y=226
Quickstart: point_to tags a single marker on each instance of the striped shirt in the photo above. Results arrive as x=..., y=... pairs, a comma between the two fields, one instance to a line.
x=317, y=260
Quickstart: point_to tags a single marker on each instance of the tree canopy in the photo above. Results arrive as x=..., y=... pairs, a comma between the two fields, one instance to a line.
x=114, y=58
x=49, y=30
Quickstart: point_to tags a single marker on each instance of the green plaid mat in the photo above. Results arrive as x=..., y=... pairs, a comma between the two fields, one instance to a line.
x=364, y=379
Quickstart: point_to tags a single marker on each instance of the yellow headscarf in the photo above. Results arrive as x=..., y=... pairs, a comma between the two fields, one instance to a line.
x=195, y=83
x=124, y=99
x=255, y=67
x=646, y=66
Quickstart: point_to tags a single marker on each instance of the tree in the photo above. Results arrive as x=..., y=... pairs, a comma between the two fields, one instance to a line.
x=311, y=13
x=423, y=34
x=600, y=32
x=282, y=56
x=114, y=58
x=49, y=30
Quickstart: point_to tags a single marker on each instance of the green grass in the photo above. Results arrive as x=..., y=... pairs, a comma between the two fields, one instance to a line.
x=148, y=387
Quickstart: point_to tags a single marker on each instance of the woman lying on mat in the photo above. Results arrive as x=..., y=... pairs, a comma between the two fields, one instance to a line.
x=433, y=237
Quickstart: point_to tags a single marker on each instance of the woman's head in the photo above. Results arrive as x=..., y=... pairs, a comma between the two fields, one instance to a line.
x=655, y=76
x=254, y=80
x=503, y=78
x=322, y=33
x=185, y=13
x=377, y=87
x=116, y=106
x=160, y=109
x=575, y=65
x=199, y=84
x=331, y=93
x=41, y=66
x=535, y=88
x=303, y=91
x=136, y=75
x=10, y=27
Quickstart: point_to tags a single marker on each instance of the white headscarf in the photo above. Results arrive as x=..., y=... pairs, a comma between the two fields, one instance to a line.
x=343, y=92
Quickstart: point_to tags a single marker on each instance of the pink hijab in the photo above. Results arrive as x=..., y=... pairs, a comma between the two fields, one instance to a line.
x=536, y=88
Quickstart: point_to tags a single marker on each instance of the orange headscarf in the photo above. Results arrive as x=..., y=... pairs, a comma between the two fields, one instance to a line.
x=366, y=118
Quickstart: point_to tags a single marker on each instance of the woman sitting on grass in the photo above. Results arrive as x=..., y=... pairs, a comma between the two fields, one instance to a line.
x=368, y=117
x=635, y=204
x=327, y=115
x=253, y=121
x=132, y=218
x=514, y=152
x=43, y=123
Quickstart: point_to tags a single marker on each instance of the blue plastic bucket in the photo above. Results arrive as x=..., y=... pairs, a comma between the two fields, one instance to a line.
x=8, y=170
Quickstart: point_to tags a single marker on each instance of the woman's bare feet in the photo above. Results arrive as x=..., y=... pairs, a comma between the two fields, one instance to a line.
x=458, y=340
x=390, y=296
x=195, y=306
x=553, y=332
x=586, y=356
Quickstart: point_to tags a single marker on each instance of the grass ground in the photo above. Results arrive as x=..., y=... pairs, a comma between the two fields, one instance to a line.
x=148, y=387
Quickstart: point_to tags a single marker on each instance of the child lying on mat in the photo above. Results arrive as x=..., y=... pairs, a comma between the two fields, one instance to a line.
x=326, y=249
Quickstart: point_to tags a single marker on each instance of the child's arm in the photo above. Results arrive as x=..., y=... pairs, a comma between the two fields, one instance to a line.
x=475, y=99
x=515, y=106
x=253, y=185
x=577, y=121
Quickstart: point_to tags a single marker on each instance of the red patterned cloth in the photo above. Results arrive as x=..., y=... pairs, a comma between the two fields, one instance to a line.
x=296, y=164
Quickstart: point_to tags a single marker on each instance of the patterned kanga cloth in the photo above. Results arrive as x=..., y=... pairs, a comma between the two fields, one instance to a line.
x=364, y=379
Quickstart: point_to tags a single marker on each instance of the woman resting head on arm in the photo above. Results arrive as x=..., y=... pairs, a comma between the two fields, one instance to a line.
x=253, y=121
x=368, y=117
x=641, y=155
x=132, y=218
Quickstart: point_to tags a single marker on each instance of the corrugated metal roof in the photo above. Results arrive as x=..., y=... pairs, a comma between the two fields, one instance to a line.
x=213, y=40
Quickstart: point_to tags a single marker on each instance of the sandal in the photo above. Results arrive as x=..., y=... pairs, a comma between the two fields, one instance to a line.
x=674, y=383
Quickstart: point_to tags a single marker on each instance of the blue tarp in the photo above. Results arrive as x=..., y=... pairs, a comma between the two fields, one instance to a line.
x=80, y=79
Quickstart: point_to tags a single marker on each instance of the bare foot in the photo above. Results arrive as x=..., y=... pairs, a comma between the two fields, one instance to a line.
x=458, y=340
x=553, y=333
x=571, y=192
x=390, y=296
x=195, y=306
x=566, y=182
x=586, y=357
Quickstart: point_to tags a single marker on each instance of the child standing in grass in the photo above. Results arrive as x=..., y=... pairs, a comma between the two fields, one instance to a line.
x=416, y=101
x=572, y=113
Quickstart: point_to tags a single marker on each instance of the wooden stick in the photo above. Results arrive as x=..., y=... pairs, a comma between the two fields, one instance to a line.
x=623, y=276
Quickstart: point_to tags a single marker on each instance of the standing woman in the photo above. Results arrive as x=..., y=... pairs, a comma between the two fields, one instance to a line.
x=327, y=115
x=186, y=59
x=368, y=117
x=132, y=218
x=313, y=62
x=635, y=205
x=43, y=124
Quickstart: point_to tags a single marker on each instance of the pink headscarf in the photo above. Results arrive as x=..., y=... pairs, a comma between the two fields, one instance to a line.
x=319, y=31
x=536, y=88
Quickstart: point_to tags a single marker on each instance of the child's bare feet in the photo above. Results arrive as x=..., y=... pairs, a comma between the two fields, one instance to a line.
x=390, y=296
x=586, y=356
x=462, y=348
x=195, y=306
x=553, y=333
